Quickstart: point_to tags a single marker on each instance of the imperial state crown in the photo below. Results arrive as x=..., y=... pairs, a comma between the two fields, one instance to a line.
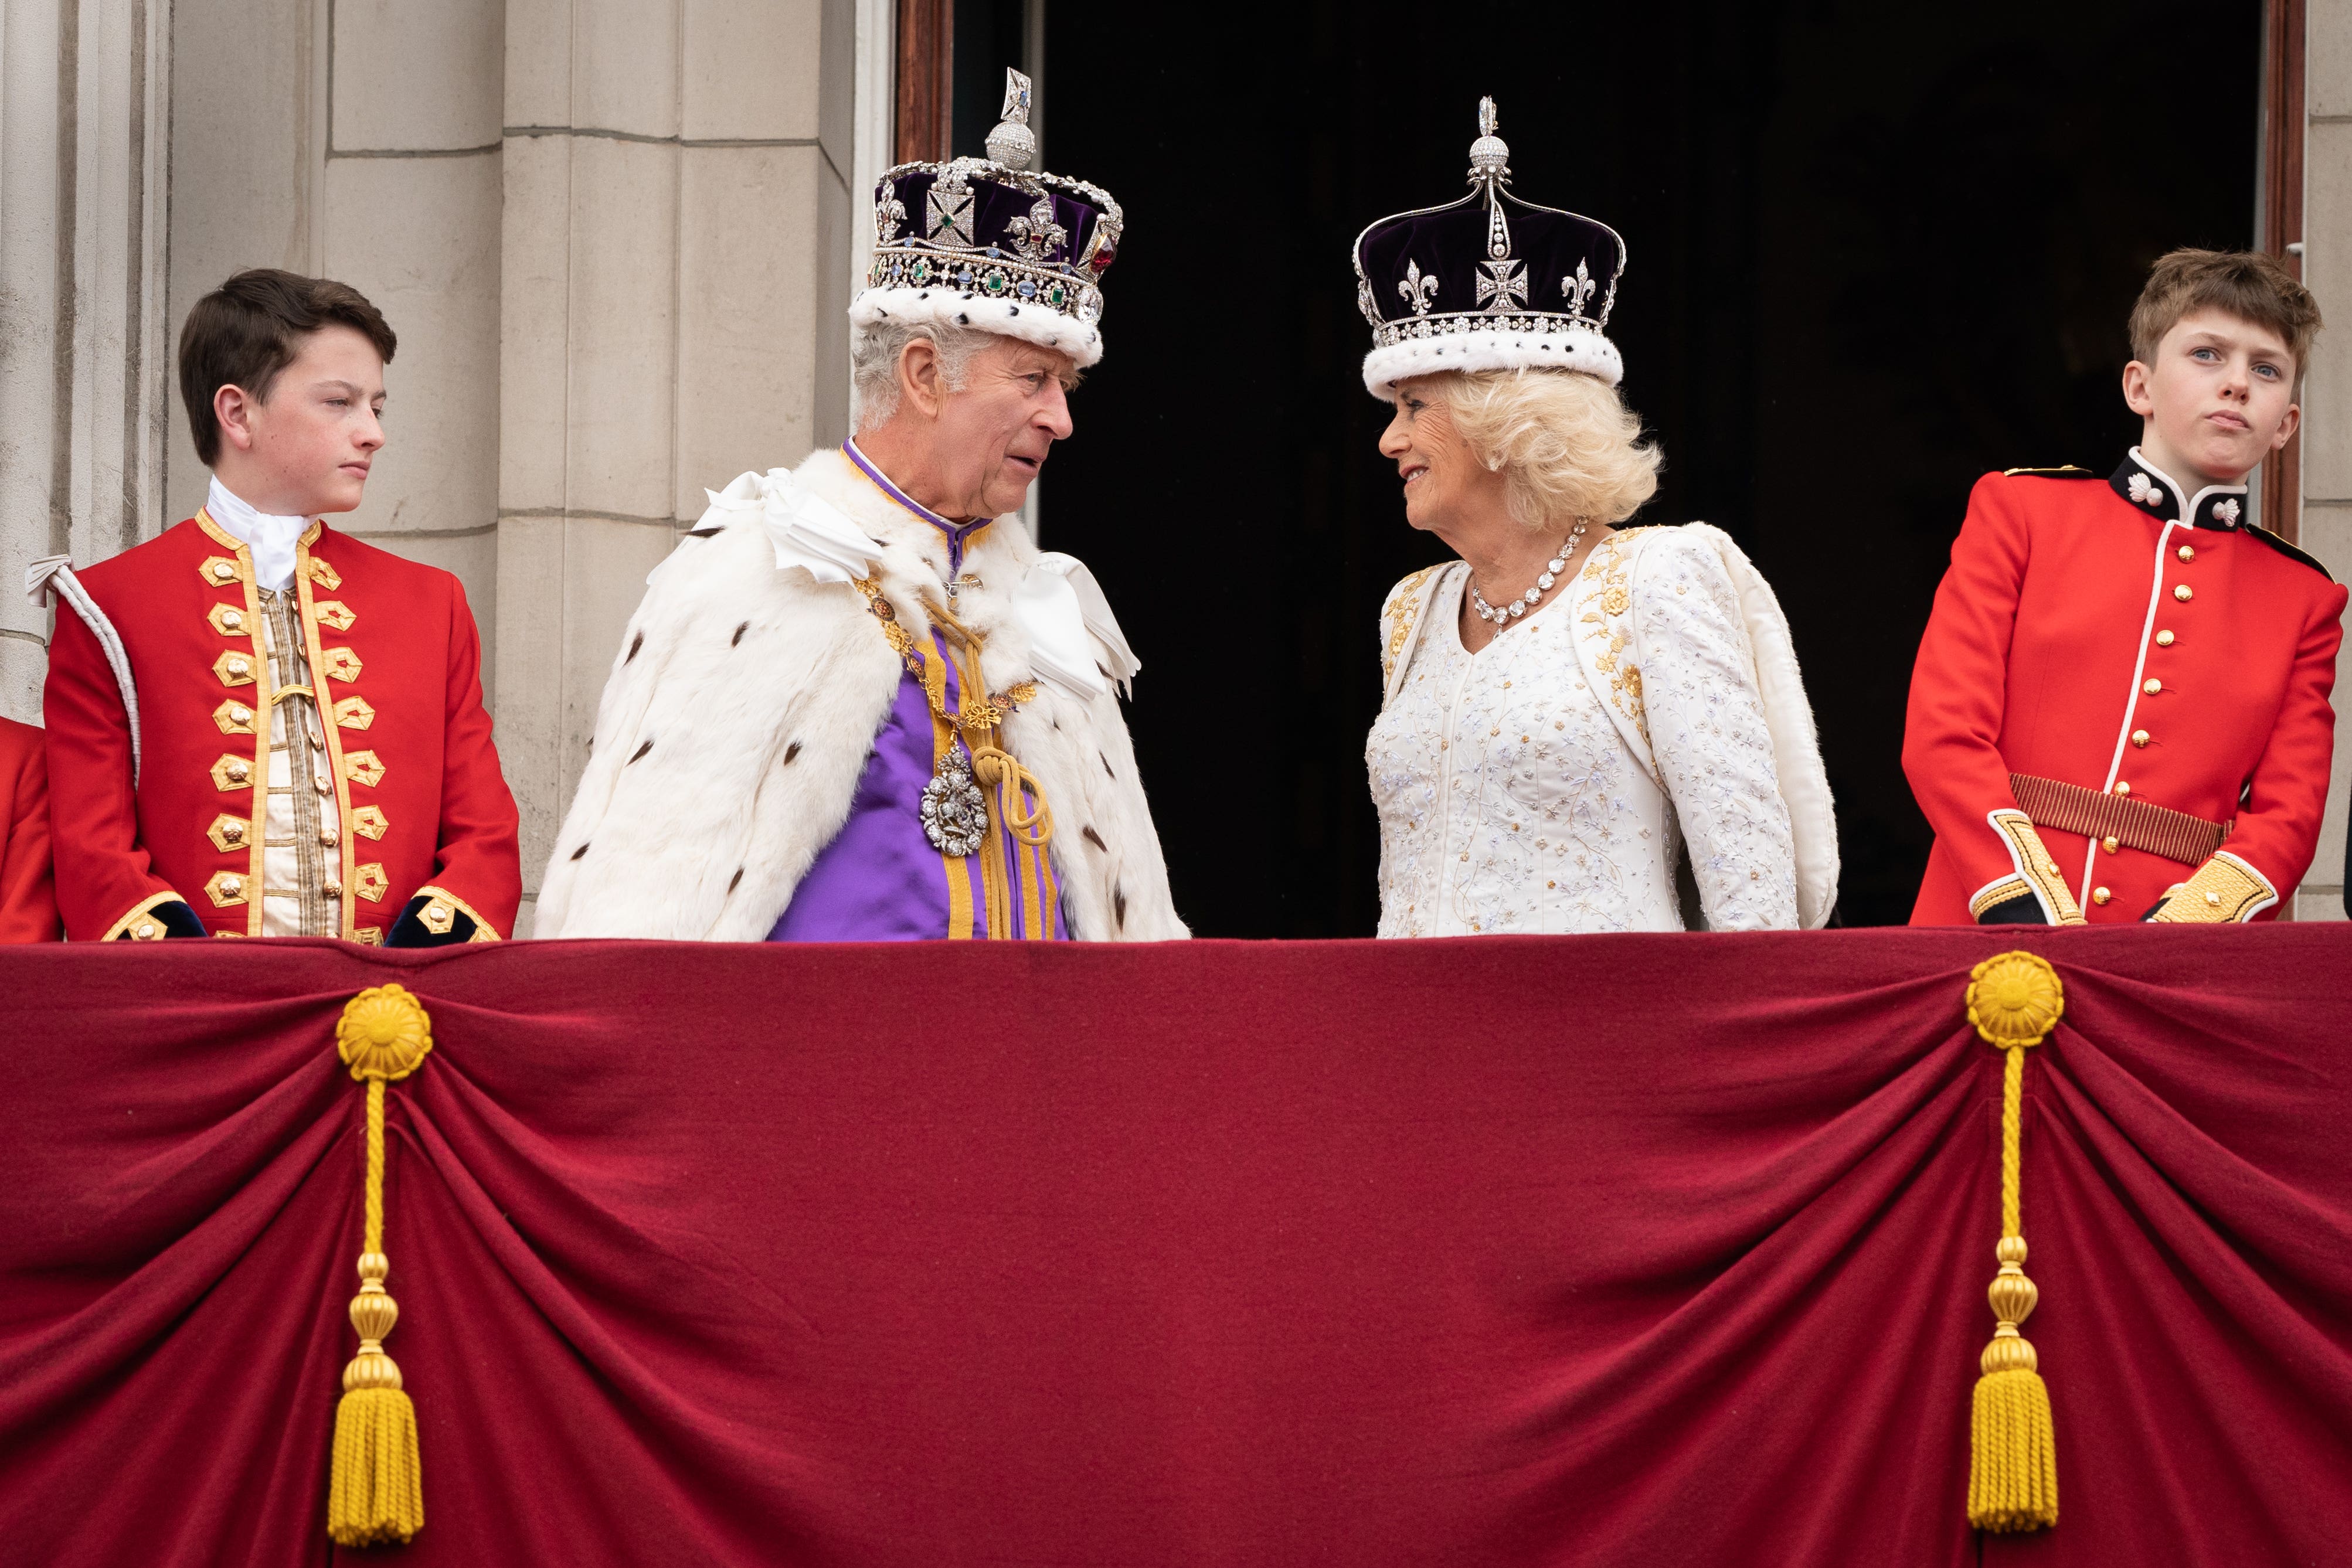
x=981, y=242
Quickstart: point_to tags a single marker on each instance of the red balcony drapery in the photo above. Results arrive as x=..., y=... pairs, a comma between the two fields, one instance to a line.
x=1605, y=1250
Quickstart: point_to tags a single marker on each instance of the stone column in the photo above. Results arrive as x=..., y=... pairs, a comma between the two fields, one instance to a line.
x=83, y=90
x=675, y=266
x=2327, y=387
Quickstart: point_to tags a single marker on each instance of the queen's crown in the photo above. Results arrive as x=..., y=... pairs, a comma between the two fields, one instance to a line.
x=1487, y=282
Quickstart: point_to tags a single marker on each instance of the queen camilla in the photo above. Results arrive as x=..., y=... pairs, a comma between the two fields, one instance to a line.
x=1583, y=727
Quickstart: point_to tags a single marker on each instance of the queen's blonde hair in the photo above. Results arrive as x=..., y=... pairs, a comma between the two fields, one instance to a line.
x=1565, y=443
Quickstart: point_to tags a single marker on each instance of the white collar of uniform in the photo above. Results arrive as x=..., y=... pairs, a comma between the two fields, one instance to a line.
x=272, y=540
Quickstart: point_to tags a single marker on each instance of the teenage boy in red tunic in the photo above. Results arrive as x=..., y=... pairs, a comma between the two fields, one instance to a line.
x=2120, y=710
x=258, y=727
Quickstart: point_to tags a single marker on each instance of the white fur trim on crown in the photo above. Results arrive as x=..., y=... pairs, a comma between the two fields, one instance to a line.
x=1033, y=323
x=1491, y=351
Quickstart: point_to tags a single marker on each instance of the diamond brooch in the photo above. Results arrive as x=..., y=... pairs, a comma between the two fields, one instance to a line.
x=954, y=811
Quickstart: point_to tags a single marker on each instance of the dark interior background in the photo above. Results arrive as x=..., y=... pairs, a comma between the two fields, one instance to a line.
x=1874, y=252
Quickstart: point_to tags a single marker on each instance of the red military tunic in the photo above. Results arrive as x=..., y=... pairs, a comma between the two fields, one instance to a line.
x=393, y=652
x=2142, y=645
x=29, y=905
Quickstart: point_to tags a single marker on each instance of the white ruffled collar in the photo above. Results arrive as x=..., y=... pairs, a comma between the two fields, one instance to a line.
x=270, y=538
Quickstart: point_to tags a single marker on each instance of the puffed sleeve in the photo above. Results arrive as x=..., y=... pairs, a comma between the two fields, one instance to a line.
x=477, y=866
x=1707, y=731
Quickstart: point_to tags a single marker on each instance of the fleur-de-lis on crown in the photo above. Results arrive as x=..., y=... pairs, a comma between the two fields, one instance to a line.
x=1037, y=234
x=1504, y=288
x=1418, y=291
x=888, y=213
x=1578, y=288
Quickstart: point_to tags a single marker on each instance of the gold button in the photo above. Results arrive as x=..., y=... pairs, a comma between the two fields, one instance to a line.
x=232, y=886
x=327, y=836
x=146, y=932
x=2122, y=788
x=239, y=772
x=2189, y=553
x=2213, y=898
x=2151, y=685
x=236, y=666
x=1465, y=855
x=2164, y=639
x=2100, y=896
x=2050, y=866
x=232, y=618
x=2111, y=844
x=224, y=571
x=232, y=831
x=333, y=890
x=2184, y=593
x=323, y=785
x=242, y=714
x=2139, y=738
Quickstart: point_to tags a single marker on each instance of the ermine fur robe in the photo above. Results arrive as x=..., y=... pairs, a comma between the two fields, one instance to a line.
x=746, y=695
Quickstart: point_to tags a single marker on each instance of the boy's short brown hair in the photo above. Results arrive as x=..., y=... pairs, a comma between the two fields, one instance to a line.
x=2246, y=284
x=249, y=328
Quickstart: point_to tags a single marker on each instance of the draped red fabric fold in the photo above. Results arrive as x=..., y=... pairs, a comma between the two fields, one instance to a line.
x=1619, y=1250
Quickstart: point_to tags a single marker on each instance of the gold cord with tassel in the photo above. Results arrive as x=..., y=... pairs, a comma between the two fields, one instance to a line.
x=2014, y=1001
x=377, y=1494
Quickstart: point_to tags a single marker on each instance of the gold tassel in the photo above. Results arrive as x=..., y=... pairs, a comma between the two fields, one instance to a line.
x=376, y=1495
x=2014, y=1001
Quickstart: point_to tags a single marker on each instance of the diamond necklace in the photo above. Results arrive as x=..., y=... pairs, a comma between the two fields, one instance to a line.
x=1515, y=608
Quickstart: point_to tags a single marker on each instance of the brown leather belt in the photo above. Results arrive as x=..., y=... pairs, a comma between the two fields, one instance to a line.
x=2158, y=830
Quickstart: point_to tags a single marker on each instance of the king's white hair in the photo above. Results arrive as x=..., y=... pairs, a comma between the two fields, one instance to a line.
x=873, y=353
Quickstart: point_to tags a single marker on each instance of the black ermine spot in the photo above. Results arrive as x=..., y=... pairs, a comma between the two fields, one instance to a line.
x=1092, y=837
x=792, y=751
x=648, y=745
x=1119, y=906
x=635, y=642
x=736, y=878
x=581, y=850
x=737, y=639
x=1106, y=762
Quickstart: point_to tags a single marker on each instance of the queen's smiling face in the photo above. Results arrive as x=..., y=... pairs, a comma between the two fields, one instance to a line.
x=1446, y=488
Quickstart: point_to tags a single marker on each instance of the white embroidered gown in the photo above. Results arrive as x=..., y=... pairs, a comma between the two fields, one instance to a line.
x=1509, y=799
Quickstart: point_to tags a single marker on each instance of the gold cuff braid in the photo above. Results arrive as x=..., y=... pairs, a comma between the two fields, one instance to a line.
x=2035, y=867
x=138, y=924
x=2224, y=891
x=483, y=930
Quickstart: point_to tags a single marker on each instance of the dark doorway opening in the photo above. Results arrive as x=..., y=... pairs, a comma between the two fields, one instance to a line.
x=1872, y=255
